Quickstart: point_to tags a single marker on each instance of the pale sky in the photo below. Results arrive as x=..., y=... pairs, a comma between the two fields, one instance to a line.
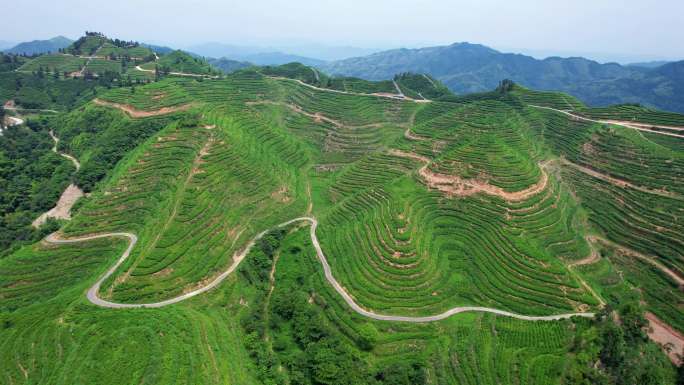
x=642, y=29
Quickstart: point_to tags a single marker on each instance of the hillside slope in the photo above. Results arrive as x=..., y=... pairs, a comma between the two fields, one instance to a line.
x=477, y=239
x=467, y=68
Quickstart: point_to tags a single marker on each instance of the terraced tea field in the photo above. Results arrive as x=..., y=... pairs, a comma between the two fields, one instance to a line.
x=273, y=224
x=56, y=62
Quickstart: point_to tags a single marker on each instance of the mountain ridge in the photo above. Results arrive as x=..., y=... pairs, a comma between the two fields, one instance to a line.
x=466, y=67
x=36, y=47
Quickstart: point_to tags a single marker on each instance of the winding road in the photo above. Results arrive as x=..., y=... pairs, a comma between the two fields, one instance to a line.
x=71, y=194
x=32, y=109
x=633, y=125
x=54, y=149
x=139, y=68
x=93, y=292
x=377, y=95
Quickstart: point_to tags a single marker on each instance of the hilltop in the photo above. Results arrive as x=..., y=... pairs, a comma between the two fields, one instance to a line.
x=95, y=55
x=37, y=47
x=467, y=68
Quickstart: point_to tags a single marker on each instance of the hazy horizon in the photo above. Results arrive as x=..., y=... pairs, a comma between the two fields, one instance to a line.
x=603, y=31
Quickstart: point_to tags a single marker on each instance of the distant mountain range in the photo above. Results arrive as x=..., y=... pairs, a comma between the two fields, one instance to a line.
x=309, y=54
x=159, y=49
x=278, y=58
x=37, y=47
x=4, y=44
x=256, y=55
x=467, y=68
x=649, y=64
x=222, y=50
x=228, y=65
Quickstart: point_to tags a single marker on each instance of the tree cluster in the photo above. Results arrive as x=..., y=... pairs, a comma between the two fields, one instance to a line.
x=615, y=350
x=304, y=342
x=32, y=178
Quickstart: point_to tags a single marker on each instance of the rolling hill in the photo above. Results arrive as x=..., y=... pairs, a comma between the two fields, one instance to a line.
x=278, y=58
x=112, y=60
x=311, y=51
x=228, y=65
x=255, y=55
x=280, y=226
x=467, y=68
x=37, y=47
x=180, y=62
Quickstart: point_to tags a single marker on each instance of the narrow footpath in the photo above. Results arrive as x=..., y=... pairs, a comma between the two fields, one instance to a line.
x=73, y=193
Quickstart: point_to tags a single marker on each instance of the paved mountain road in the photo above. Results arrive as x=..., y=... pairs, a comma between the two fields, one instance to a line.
x=93, y=295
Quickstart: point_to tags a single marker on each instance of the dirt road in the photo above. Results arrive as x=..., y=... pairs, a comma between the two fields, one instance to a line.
x=135, y=113
x=54, y=149
x=73, y=193
x=378, y=95
x=139, y=68
x=632, y=125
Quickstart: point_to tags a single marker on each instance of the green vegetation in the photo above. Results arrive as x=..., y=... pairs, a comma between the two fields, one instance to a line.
x=10, y=62
x=479, y=200
x=32, y=179
x=55, y=63
x=179, y=61
x=227, y=65
x=49, y=334
x=622, y=349
x=642, y=218
x=119, y=49
x=421, y=86
x=411, y=85
x=88, y=44
x=636, y=113
x=298, y=332
x=64, y=80
x=100, y=137
x=43, y=91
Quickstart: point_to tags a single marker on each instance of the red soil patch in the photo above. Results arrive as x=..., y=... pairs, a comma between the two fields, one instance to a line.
x=135, y=113
x=669, y=339
x=453, y=185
